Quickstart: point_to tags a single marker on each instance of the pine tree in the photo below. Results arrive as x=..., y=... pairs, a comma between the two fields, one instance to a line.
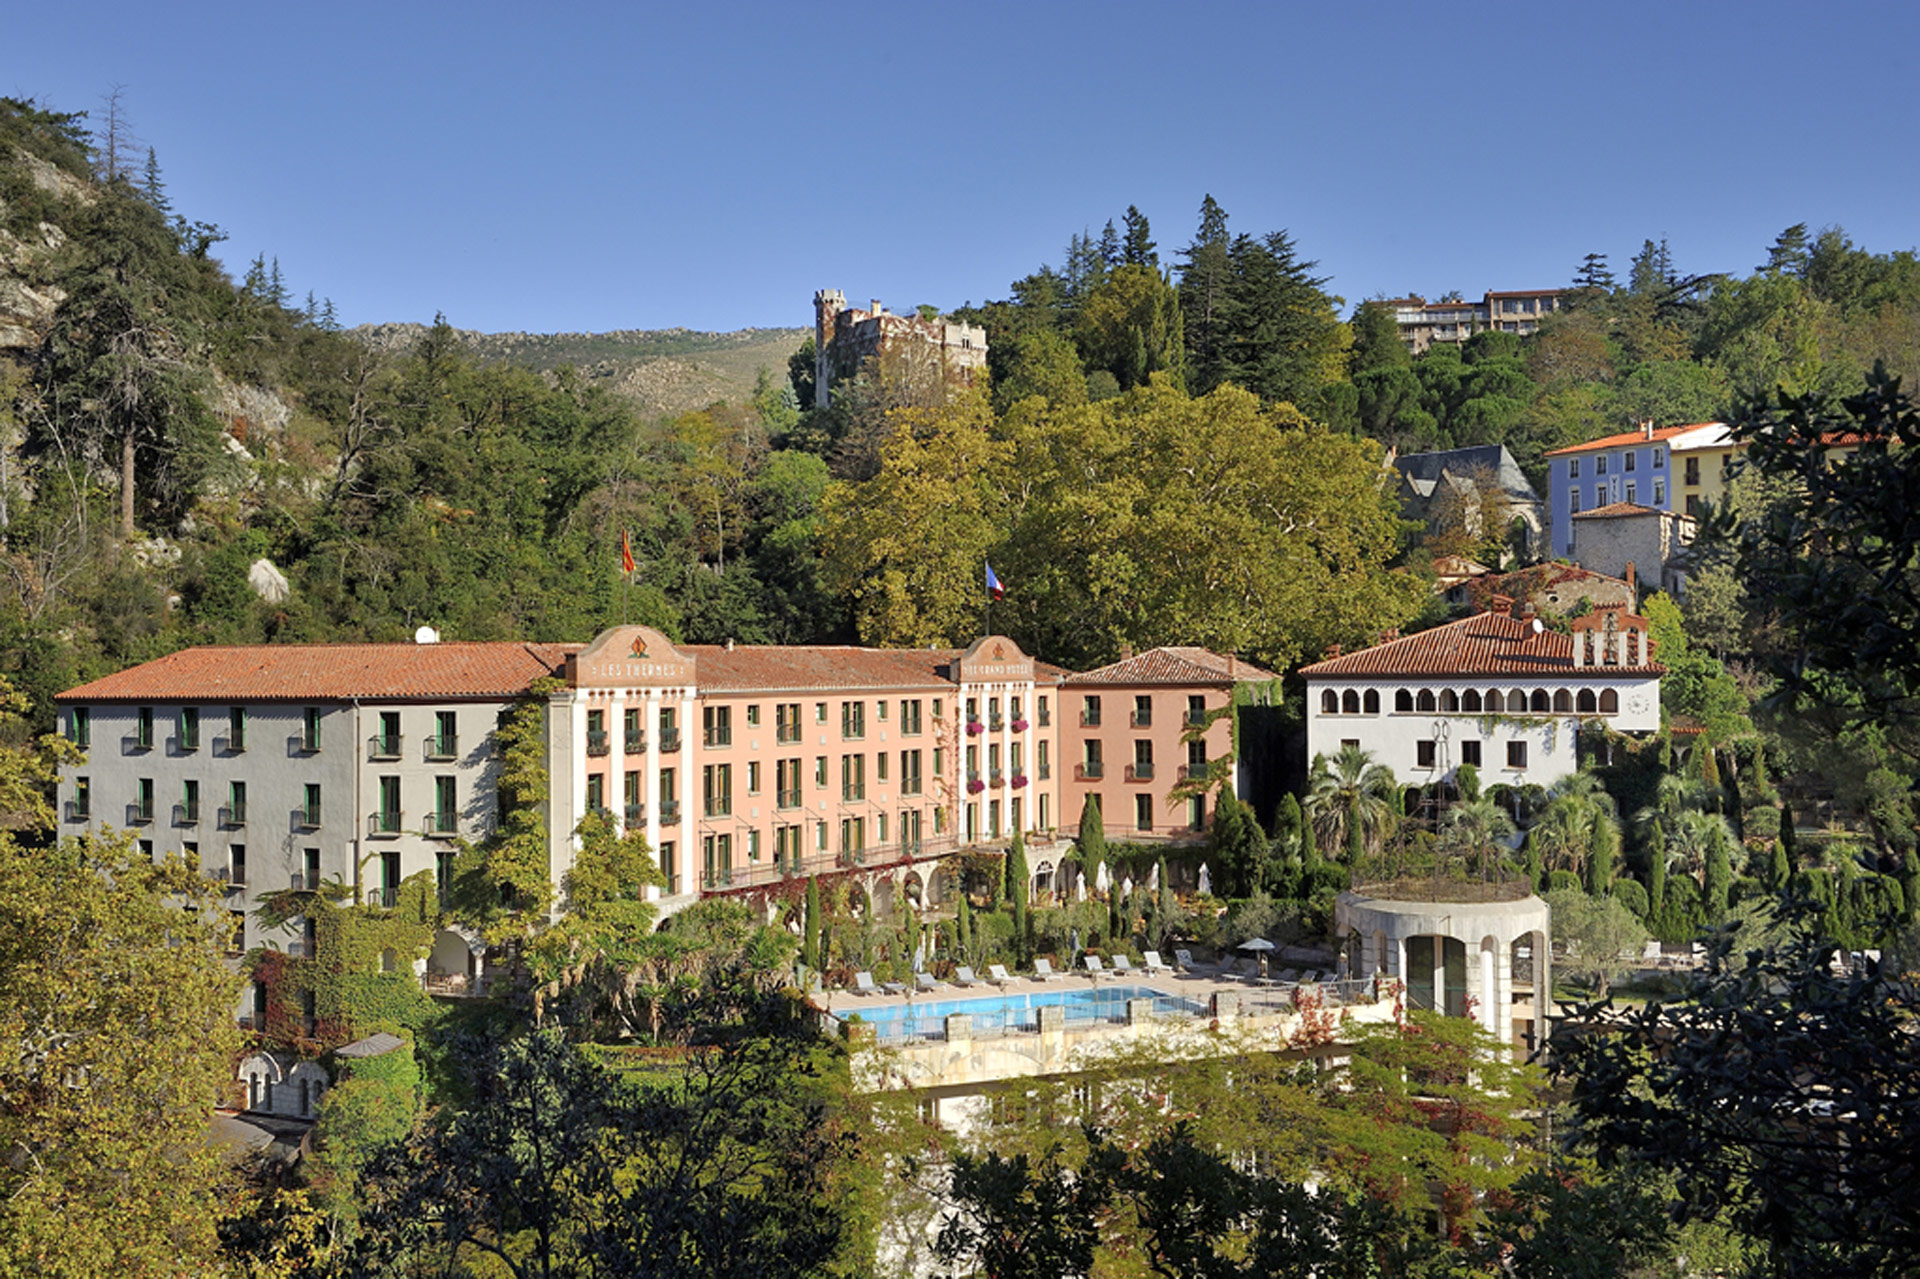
x=1138, y=249
x=1594, y=274
x=1110, y=246
x=1205, y=273
x=276, y=285
x=810, y=940
x=152, y=189
x=1789, y=254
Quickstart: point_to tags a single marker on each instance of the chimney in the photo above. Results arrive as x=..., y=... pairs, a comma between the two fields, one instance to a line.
x=729, y=643
x=877, y=308
x=1233, y=666
x=1126, y=652
x=1647, y=426
x=1333, y=650
x=1633, y=590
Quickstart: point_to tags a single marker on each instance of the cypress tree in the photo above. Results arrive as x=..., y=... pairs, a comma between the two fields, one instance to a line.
x=1657, y=881
x=1779, y=867
x=1603, y=847
x=1092, y=841
x=1113, y=916
x=1789, y=841
x=810, y=938
x=1017, y=882
x=963, y=925
x=1719, y=877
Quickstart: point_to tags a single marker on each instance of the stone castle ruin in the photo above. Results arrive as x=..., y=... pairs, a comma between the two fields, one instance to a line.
x=844, y=339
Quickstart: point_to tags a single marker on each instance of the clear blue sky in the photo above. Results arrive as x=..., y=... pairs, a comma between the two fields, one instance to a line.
x=599, y=166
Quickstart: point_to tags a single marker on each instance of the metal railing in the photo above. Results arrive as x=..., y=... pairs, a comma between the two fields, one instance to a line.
x=441, y=825
x=232, y=815
x=1140, y=771
x=1140, y=719
x=308, y=816
x=753, y=873
x=79, y=812
x=440, y=746
x=597, y=741
x=669, y=812
x=186, y=814
x=1195, y=772
x=636, y=743
x=1092, y=771
x=636, y=815
x=383, y=746
x=669, y=740
x=384, y=823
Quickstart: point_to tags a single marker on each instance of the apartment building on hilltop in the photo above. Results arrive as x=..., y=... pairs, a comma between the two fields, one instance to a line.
x=1422, y=323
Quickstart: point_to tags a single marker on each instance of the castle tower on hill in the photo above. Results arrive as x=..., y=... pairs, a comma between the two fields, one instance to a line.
x=845, y=338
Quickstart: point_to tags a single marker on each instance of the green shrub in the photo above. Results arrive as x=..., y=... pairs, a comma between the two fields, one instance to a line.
x=1561, y=881
x=1632, y=894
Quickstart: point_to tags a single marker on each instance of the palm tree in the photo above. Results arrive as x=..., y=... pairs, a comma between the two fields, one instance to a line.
x=1694, y=838
x=1474, y=828
x=1580, y=829
x=1351, y=802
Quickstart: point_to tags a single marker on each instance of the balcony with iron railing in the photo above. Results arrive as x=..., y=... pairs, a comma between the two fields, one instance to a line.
x=669, y=740
x=636, y=815
x=233, y=816
x=787, y=798
x=1091, y=771
x=136, y=743
x=1195, y=719
x=230, y=743
x=440, y=746
x=384, y=824
x=636, y=742
x=307, y=817
x=1140, y=771
x=597, y=742
x=383, y=746
x=996, y=778
x=1089, y=719
x=1044, y=771
x=719, y=806
x=996, y=724
x=669, y=812
x=1196, y=772
x=1138, y=718
x=139, y=814
x=186, y=814
x=79, y=812
x=439, y=825
x=185, y=743
x=1044, y=717
x=304, y=743
x=716, y=737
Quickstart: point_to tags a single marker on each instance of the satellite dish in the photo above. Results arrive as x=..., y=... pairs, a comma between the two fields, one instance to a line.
x=426, y=635
x=1538, y=626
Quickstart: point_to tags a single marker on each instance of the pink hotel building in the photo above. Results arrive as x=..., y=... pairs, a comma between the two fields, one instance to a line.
x=746, y=765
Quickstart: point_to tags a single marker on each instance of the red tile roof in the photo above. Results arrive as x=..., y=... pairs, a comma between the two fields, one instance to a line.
x=1628, y=437
x=1614, y=510
x=772, y=668
x=330, y=673
x=1174, y=665
x=1488, y=644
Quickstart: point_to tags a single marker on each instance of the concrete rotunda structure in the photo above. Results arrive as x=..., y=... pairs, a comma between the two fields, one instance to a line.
x=1488, y=960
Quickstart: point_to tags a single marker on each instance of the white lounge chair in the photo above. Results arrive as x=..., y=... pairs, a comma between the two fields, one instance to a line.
x=1153, y=962
x=926, y=983
x=963, y=976
x=1043, y=970
x=997, y=974
x=1122, y=966
x=1094, y=969
x=863, y=984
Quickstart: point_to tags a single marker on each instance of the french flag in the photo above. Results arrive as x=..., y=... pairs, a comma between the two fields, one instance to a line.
x=995, y=591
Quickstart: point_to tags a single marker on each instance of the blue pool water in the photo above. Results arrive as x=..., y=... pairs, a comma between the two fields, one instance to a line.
x=1014, y=1012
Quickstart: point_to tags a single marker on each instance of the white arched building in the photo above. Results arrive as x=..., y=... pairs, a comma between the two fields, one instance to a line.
x=1501, y=690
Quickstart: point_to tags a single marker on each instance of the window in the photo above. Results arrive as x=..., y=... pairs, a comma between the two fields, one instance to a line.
x=939, y=761
x=310, y=729
x=669, y=729
x=386, y=821
x=82, y=808
x=189, y=803
x=142, y=801
x=237, y=729
x=1424, y=701
x=670, y=796
x=597, y=732
x=188, y=733
x=973, y=763
x=1350, y=741
x=1470, y=751
x=910, y=717
x=1659, y=458
x=1627, y=460
x=1633, y=491
x=596, y=792
x=636, y=807
x=143, y=729
x=994, y=721
x=753, y=716
x=716, y=725
x=820, y=836
x=1516, y=754
x=236, y=814
x=310, y=810
x=786, y=722
x=1142, y=769
x=716, y=789
x=1449, y=701
x=1370, y=702
x=1143, y=812
x=910, y=773
x=1403, y=701
x=80, y=726
x=1599, y=495
x=236, y=945
x=853, y=777
x=819, y=712
x=820, y=771
x=880, y=709
x=1142, y=711
x=1660, y=493
x=717, y=852
x=444, y=819
x=753, y=845
x=1329, y=702
x=1044, y=713
x=1609, y=702
x=443, y=877
x=669, y=865
x=786, y=783
x=1573, y=502
x=311, y=864
x=1043, y=759
x=853, y=721
x=880, y=767
x=1691, y=475
x=753, y=777
x=1693, y=504
x=445, y=742
x=1600, y=464
x=1573, y=468
x=1423, y=753
x=1090, y=715
x=1350, y=703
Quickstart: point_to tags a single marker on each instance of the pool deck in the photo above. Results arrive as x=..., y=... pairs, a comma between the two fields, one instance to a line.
x=1199, y=985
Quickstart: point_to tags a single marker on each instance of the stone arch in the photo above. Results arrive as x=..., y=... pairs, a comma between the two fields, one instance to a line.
x=1540, y=702
x=1585, y=704
x=1609, y=702
x=1470, y=700
x=1562, y=700
x=881, y=899
x=1329, y=702
x=1349, y=703
x=1370, y=703
x=1403, y=700
x=1449, y=700
x=1517, y=701
x=1496, y=702
x=913, y=889
x=1424, y=702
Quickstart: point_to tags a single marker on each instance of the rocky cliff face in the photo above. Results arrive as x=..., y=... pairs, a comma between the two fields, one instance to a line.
x=26, y=310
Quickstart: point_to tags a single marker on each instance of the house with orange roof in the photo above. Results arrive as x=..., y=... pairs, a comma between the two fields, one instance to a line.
x=1500, y=690
x=1677, y=469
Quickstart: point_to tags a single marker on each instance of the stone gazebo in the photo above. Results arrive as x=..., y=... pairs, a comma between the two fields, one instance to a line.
x=1465, y=949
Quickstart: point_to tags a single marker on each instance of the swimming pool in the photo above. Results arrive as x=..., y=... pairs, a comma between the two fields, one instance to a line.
x=1005, y=1014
